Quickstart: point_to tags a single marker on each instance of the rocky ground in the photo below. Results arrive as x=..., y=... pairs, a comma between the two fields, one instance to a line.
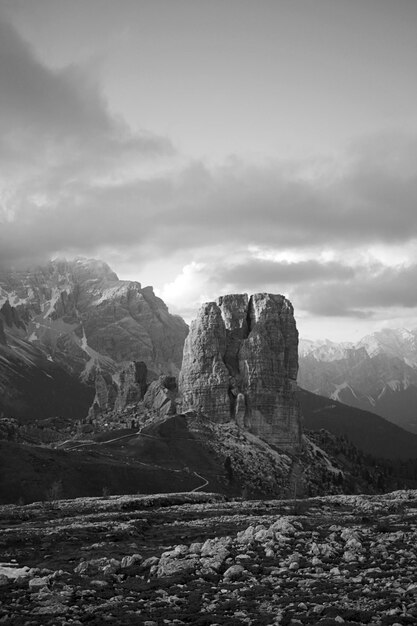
x=199, y=559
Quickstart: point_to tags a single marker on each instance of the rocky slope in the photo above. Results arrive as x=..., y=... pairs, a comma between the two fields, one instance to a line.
x=198, y=559
x=240, y=364
x=377, y=374
x=83, y=319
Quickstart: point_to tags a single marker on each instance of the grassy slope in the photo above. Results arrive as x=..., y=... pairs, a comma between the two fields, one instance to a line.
x=164, y=460
x=369, y=432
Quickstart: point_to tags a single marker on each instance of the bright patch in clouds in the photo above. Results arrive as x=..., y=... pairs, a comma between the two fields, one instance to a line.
x=188, y=290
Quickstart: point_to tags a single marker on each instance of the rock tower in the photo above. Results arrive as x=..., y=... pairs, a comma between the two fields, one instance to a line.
x=240, y=364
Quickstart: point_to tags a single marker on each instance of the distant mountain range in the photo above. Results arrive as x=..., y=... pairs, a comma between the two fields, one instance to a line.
x=62, y=322
x=378, y=374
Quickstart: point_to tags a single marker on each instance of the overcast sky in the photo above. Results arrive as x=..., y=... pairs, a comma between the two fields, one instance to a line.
x=218, y=146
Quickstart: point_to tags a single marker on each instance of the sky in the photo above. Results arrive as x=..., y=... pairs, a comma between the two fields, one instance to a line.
x=218, y=146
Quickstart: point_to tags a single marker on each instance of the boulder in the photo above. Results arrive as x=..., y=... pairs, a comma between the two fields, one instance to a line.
x=161, y=396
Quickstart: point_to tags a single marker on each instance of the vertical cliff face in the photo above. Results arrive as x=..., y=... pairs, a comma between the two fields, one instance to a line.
x=115, y=393
x=240, y=363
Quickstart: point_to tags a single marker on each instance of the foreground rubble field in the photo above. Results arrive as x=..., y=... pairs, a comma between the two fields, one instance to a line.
x=198, y=559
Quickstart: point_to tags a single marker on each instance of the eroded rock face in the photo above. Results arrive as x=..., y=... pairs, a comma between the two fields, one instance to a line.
x=115, y=393
x=131, y=384
x=86, y=319
x=161, y=395
x=240, y=363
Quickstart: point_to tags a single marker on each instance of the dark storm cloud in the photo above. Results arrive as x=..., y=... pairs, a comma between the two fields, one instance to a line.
x=259, y=273
x=239, y=206
x=371, y=202
x=373, y=288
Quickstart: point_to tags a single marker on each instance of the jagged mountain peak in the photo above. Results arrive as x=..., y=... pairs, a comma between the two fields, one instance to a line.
x=392, y=341
x=83, y=318
x=378, y=373
x=399, y=342
x=324, y=349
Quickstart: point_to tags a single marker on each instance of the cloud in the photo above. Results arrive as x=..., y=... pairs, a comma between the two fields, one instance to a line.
x=316, y=288
x=233, y=206
x=60, y=105
x=56, y=135
x=74, y=179
x=71, y=179
x=375, y=287
x=260, y=273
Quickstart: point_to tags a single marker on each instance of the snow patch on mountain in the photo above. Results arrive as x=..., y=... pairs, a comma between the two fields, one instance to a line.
x=122, y=288
x=339, y=388
x=395, y=385
x=325, y=350
x=84, y=343
x=399, y=342
x=371, y=401
x=56, y=294
x=96, y=361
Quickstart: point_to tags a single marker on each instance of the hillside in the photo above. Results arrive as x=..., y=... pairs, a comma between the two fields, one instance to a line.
x=33, y=386
x=370, y=433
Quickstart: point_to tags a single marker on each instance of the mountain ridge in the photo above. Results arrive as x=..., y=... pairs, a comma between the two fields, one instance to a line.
x=377, y=374
x=79, y=316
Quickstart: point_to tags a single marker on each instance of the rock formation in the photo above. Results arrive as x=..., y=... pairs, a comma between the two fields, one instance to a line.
x=115, y=393
x=10, y=316
x=240, y=363
x=161, y=395
x=132, y=384
x=86, y=319
x=79, y=317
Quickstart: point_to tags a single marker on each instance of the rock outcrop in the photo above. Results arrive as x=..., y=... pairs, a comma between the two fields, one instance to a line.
x=132, y=395
x=10, y=316
x=132, y=385
x=161, y=396
x=240, y=363
x=115, y=393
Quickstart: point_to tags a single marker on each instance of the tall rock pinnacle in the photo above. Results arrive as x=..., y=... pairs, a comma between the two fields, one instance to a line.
x=240, y=363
